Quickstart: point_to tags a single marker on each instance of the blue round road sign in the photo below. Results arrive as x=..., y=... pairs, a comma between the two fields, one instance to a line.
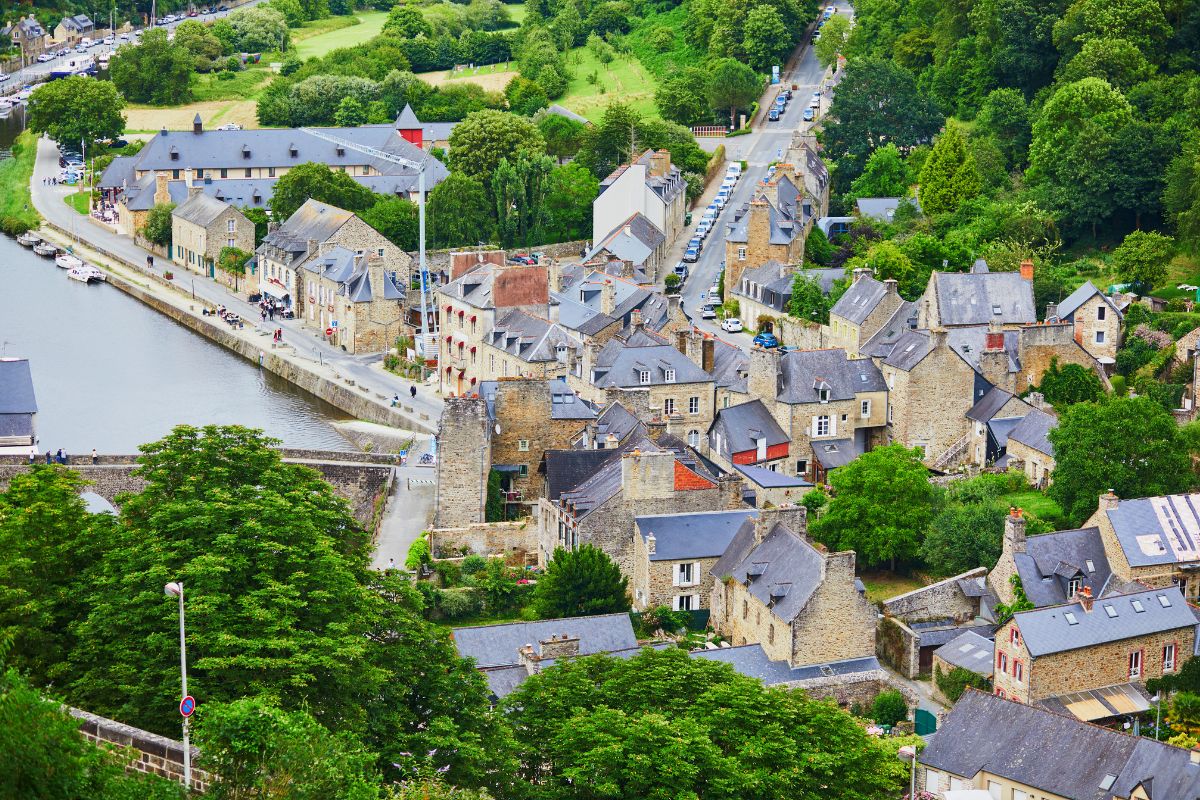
x=187, y=705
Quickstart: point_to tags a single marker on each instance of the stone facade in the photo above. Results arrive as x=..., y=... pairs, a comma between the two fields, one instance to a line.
x=758, y=248
x=1097, y=328
x=928, y=403
x=151, y=754
x=465, y=442
x=196, y=245
x=1158, y=576
x=1000, y=577
x=485, y=539
x=656, y=583
x=1041, y=344
x=1037, y=466
x=849, y=335
x=940, y=600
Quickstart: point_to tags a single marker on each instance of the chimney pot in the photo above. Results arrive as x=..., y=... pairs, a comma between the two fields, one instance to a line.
x=1086, y=601
x=1027, y=269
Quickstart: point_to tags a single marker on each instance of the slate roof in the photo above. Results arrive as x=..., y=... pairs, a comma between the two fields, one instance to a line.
x=803, y=373
x=566, y=469
x=497, y=645
x=1033, y=429
x=16, y=387
x=1071, y=303
x=615, y=419
x=783, y=571
x=200, y=209
x=556, y=109
x=970, y=651
x=529, y=337
x=731, y=366
x=1049, y=630
x=407, y=120
x=903, y=319
x=704, y=534
x=619, y=365
x=314, y=221
x=880, y=208
x=834, y=453
x=1050, y=560
x=989, y=405
x=78, y=23
x=1158, y=530
x=967, y=298
x=859, y=300
x=970, y=341
x=910, y=349
x=742, y=425
x=769, y=478
x=782, y=227
x=566, y=404
x=634, y=240
x=752, y=661
x=936, y=634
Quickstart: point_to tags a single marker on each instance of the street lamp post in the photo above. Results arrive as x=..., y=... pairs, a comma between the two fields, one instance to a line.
x=175, y=588
x=909, y=753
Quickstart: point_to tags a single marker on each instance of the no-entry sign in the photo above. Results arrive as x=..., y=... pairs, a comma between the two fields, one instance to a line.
x=187, y=706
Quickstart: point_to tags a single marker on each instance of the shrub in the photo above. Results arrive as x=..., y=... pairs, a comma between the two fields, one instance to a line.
x=646, y=623
x=418, y=554
x=474, y=564
x=953, y=683
x=889, y=707
x=458, y=603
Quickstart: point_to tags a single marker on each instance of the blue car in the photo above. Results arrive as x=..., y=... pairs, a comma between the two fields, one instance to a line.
x=808, y=115
x=766, y=339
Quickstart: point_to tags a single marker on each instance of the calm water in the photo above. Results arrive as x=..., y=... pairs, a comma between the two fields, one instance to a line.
x=111, y=373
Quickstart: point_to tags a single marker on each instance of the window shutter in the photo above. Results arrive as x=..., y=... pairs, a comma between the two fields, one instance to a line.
x=675, y=577
x=833, y=420
x=696, y=572
x=675, y=603
x=814, y=426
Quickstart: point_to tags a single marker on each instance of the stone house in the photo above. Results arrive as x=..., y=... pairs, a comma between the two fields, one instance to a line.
x=651, y=186
x=201, y=227
x=866, y=306
x=768, y=228
x=1029, y=447
x=1096, y=320
x=71, y=29
x=510, y=652
x=1014, y=751
x=507, y=427
x=748, y=434
x=673, y=556
x=775, y=588
x=597, y=301
x=640, y=475
x=1152, y=540
x=968, y=651
x=637, y=242
x=992, y=419
x=764, y=294
x=978, y=298
x=1097, y=647
x=766, y=487
x=833, y=408
x=28, y=35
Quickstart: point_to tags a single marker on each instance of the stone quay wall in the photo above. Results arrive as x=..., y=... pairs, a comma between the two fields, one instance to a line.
x=485, y=539
x=150, y=753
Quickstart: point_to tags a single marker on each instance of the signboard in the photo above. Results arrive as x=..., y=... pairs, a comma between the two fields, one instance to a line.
x=187, y=706
x=775, y=74
x=333, y=324
x=329, y=331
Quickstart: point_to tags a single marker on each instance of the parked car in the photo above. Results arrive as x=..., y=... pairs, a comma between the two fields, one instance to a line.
x=731, y=325
x=773, y=115
x=815, y=37
x=714, y=291
x=815, y=102
x=681, y=270
x=734, y=169
x=704, y=229
x=44, y=57
x=230, y=126
x=766, y=339
x=691, y=255
x=722, y=198
x=809, y=114
x=708, y=312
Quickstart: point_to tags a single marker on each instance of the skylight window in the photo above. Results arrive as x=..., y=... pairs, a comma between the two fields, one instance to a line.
x=996, y=309
x=1108, y=609
x=1164, y=601
x=1137, y=606
x=1090, y=566
x=1071, y=618
x=1108, y=782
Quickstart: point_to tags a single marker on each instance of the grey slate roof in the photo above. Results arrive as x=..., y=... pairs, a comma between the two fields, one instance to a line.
x=967, y=298
x=770, y=479
x=615, y=419
x=970, y=341
x=618, y=365
x=742, y=425
x=970, y=651
x=880, y=208
x=1049, y=630
x=1071, y=303
x=731, y=366
x=937, y=634
x=556, y=109
x=910, y=349
x=989, y=405
x=859, y=300
x=805, y=372
x=314, y=221
x=789, y=569
x=16, y=425
x=566, y=469
x=633, y=240
x=16, y=387
x=529, y=337
x=752, y=661
x=1052, y=559
x=1033, y=429
x=200, y=209
x=80, y=23
x=903, y=319
x=566, y=404
x=497, y=645
x=834, y=453
x=1158, y=530
x=704, y=534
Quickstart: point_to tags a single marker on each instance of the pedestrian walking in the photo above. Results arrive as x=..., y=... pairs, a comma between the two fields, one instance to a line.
x=59, y=457
x=391, y=563
x=95, y=456
x=264, y=314
x=32, y=453
x=413, y=391
x=49, y=457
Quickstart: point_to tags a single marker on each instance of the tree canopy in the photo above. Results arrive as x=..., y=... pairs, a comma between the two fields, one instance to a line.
x=77, y=109
x=949, y=176
x=480, y=141
x=581, y=582
x=156, y=71
x=1143, y=257
x=316, y=181
x=1070, y=383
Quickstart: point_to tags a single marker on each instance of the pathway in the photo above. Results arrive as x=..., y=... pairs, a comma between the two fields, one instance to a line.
x=310, y=350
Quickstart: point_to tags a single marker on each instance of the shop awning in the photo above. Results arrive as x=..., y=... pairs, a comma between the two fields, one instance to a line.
x=278, y=292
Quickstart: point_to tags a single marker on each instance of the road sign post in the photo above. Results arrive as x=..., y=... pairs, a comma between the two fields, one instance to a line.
x=187, y=706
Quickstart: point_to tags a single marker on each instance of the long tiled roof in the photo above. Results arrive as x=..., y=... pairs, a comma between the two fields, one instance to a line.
x=634, y=240
x=1158, y=530
x=200, y=209
x=880, y=344
x=805, y=372
x=1055, y=629
x=783, y=571
x=1051, y=560
x=529, y=337
x=741, y=426
x=703, y=534
x=981, y=298
x=619, y=365
x=859, y=300
x=752, y=661
x=910, y=349
x=16, y=387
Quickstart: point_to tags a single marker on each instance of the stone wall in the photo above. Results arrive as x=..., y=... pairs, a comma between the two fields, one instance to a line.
x=930, y=402
x=899, y=647
x=485, y=539
x=151, y=754
x=859, y=689
x=464, y=442
x=439, y=260
x=936, y=601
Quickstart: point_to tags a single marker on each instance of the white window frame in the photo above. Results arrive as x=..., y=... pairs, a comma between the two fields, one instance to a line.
x=1073, y=586
x=865, y=409
x=802, y=466
x=1169, y=659
x=644, y=376
x=685, y=573
x=231, y=226
x=1136, y=668
x=1099, y=337
x=692, y=601
x=822, y=424
x=741, y=254
x=932, y=777
x=693, y=405
x=668, y=405
x=669, y=376
x=693, y=438
x=523, y=445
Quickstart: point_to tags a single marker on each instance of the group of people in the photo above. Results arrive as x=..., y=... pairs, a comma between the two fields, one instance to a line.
x=59, y=457
x=412, y=390
x=224, y=313
x=269, y=307
x=106, y=212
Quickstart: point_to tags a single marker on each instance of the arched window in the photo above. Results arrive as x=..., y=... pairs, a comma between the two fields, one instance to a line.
x=694, y=438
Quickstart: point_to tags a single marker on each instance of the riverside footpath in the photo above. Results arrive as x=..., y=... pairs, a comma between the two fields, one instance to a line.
x=358, y=385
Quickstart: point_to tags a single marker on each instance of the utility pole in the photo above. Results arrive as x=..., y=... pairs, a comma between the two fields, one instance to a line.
x=176, y=588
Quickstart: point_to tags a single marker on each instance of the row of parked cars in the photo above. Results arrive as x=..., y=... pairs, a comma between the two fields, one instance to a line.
x=708, y=221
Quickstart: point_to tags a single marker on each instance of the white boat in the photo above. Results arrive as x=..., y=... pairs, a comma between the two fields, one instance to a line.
x=45, y=249
x=67, y=261
x=85, y=273
x=28, y=239
x=6, y=104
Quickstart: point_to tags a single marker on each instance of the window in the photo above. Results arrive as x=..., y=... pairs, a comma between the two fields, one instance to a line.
x=865, y=410
x=492, y=362
x=231, y=226
x=745, y=609
x=1014, y=637
x=379, y=252
x=523, y=470
x=686, y=602
x=994, y=790
x=224, y=172
x=1019, y=795
x=1002, y=662
x=1111, y=610
x=1018, y=671
x=770, y=634
x=644, y=376
x=1138, y=608
x=270, y=172
x=1169, y=658
x=230, y=241
x=822, y=426
x=669, y=405
x=1073, y=587
x=823, y=395
x=956, y=784
x=670, y=376
x=248, y=172
x=175, y=174
x=741, y=254
x=1100, y=312
x=1135, y=664
x=693, y=405
x=684, y=574
x=931, y=780
x=1099, y=337
x=693, y=438
x=472, y=324
x=523, y=445
x=802, y=467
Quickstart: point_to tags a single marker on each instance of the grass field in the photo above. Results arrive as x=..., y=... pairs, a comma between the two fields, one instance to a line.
x=882, y=585
x=213, y=113
x=79, y=201
x=370, y=23
x=1035, y=503
x=624, y=80
x=15, y=174
x=516, y=12
x=492, y=77
x=244, y=85
x=321, y=26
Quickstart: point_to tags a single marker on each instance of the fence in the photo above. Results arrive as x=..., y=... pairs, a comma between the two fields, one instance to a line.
x=710, y=131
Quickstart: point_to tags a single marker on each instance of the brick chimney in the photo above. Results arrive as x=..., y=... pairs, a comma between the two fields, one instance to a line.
x=758, y=224
x=785, y=169
x=556, y=275
x=862, y=272
x=660, y=164
x=161, y=193
x=1086, y=600
x=1014, y=532
x=608, y=298
x=1027, y=269
x=794, y=517
x=562, y=646
x=993, y=339
x=1108, y=501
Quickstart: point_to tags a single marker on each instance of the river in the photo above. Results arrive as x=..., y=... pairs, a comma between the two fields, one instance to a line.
x=111, y=373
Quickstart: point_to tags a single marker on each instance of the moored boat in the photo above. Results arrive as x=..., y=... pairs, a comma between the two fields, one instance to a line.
x=28, y=239
x=85, y=273
x=67, y=261
x=45, y=249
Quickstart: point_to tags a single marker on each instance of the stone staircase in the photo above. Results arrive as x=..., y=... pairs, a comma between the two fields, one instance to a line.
x=953, y=453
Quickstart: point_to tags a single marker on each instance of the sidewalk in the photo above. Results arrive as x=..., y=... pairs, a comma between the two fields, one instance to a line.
x=119, y=255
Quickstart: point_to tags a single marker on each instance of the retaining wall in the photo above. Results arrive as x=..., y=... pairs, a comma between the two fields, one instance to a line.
x=151, y=754
x=485, y=539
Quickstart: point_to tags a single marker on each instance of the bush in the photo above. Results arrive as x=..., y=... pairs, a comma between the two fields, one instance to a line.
x=647, y=623
x=889, y=707
x=474, y=564
x=158, y=224
x=458, y=603
x=953, y=683
x=418, y=554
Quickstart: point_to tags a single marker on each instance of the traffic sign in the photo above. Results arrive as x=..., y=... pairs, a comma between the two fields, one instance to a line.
x=329, y=331
x=187, y=706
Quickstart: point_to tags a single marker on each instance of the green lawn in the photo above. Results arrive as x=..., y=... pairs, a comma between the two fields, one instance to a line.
x=1034, y=502
x=370, y=24
x=624, y=80
x=882, y=585
x=321, y=26
x=79, y=201
x=15, y=174
x=516, y=12
x=244, y=85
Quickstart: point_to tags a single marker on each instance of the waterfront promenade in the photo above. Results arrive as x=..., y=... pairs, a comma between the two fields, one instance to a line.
x=356, y=384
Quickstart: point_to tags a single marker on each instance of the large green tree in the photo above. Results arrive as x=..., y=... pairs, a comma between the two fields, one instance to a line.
x=1114, y=60
x=316, y=181
x=77, y=109
x=157, y=71
x=458, y=212
x=484, y=138
x=886, y=175
x=1068, y=384
x=682, y=97
x=520, y=185
x=1130, y=445
x=667, y=725
x=732, y=85
x=258, y=28
x=963, y=537
x=882, y=502
x=834, y=35
x=949, y=176
x=562, y=134
x=1004, y=116
x=765, y=39
x=808, y=302
x=1143, y=258
x=406, y=22
x=397, y=219
x=580, y=582
x=198, y=39
x=1140, y=22
x=569, y=195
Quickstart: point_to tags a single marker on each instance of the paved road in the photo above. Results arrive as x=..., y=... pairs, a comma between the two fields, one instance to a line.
x=408, y=513
x=364, y=369
x=39, y=71
x=767, y=144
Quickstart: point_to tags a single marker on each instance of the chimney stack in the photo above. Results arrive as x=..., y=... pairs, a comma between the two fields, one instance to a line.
x=635, y=319
x=162, y=194
x=651, y=543
x=891, y=286
x=1027, y=269
x=660, y=163
x=1014, y=531
x=994, y=339
x=1109, y=501
x=862, y=272
x=197, y=124
x=1051, y=311
x=1086, y=601
x=608, y=298
x=708, y=351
